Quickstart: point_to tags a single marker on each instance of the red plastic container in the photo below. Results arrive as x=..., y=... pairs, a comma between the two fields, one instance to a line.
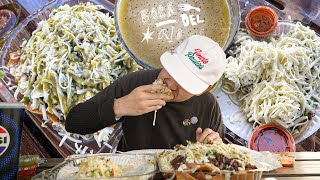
x=28, y=165
x=28, y=170
x=261, y=21
x=287, y=160
x=271, y=137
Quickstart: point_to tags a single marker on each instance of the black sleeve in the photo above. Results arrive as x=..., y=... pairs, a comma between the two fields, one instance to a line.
x=217, y=123
x=97, y=112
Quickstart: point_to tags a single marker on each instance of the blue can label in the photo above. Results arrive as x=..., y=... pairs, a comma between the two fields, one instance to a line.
x=4, y=140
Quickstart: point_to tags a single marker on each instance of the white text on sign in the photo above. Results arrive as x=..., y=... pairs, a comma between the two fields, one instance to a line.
x=163, y=15
x=190, y=19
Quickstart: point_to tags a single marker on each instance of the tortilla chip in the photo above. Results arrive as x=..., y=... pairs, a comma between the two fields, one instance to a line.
x=199, y=175
x=14, y=59
x=52, y=117
x=17, y=79
x=184, y=175
x=205, y=168
x=12, y=63
x=219, y=177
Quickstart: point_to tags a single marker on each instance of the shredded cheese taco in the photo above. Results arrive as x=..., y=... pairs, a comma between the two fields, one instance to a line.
x=165, y=90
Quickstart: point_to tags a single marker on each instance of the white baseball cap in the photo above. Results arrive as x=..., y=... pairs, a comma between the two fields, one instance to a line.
x=195, y=64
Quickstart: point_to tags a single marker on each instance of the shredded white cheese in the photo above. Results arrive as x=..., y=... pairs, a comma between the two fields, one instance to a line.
x=277, y=80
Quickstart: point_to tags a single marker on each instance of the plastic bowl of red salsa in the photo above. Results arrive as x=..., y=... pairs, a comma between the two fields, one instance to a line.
x=271, y=137
x=261, y=21
x=28, y=165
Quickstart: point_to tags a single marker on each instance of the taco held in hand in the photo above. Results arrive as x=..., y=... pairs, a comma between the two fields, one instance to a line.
x=165, y=90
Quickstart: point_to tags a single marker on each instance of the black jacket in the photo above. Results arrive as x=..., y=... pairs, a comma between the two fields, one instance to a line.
x=97, y=113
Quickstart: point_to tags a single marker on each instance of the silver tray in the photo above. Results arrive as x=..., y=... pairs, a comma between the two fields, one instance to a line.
x=14, y=40
x=245, y=129
x=141, y=166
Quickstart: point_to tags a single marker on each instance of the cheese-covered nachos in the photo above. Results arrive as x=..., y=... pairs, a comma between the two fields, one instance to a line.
x=99, y=167
x=197, y=157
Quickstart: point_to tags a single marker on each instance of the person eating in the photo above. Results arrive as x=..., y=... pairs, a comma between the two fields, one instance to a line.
x=183, y=110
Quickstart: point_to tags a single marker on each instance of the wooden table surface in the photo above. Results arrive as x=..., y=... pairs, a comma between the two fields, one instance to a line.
x=30, y=6
x=307, y=164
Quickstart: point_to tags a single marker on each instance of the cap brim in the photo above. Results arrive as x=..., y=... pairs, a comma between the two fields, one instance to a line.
x=184, y=77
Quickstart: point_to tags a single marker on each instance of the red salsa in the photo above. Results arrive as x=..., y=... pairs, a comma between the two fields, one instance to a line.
x=261, y=21
x=271, y=137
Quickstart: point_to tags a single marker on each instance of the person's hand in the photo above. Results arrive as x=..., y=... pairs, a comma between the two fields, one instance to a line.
x=140, y=101
x=207, y=136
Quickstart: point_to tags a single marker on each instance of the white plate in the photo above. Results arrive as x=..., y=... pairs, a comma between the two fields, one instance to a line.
x=244, y=129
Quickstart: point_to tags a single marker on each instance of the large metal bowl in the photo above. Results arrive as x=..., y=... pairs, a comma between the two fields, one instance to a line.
x=235, y=18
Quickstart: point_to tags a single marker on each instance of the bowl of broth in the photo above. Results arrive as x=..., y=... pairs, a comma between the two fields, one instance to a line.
x=148, y=28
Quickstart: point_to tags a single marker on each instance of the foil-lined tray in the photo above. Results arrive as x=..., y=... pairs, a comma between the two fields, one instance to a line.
x=140, y=167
